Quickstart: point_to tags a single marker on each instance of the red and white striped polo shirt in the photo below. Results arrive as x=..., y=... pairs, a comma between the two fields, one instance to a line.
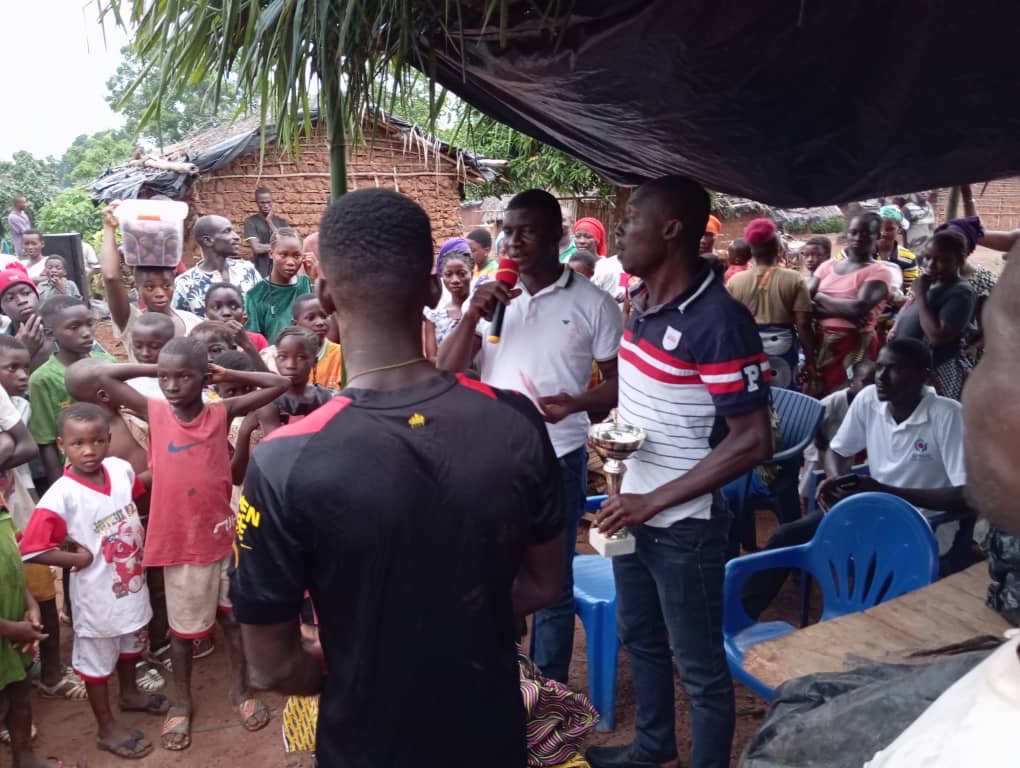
x=683, y=366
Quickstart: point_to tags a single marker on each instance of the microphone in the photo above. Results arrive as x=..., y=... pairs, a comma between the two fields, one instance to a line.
x=506, y=273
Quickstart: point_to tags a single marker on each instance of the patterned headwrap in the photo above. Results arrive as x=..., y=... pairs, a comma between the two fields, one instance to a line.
x=594, y=228
x=969, y=226
x=891, y=212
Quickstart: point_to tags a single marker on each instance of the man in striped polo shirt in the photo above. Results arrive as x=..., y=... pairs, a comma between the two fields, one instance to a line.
x=693, y=375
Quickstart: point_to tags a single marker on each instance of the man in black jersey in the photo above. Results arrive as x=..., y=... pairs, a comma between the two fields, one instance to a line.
x=420, y=510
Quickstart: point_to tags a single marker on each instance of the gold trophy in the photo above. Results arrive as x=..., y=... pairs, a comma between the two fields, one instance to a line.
x=614, y=442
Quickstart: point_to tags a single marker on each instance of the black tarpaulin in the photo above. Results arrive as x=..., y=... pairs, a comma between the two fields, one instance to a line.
x=794, y=103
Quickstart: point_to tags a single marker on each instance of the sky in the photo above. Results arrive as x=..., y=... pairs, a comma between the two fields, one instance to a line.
x=58, y=62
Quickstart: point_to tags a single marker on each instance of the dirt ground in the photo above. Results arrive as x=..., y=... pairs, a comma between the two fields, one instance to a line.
x=66, y=729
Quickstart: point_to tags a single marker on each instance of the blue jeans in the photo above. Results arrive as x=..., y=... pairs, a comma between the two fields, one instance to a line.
x=552, y=630
x=669, y=597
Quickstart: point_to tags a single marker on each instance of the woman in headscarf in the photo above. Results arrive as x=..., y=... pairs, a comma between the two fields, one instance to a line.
x=590, y=234
x=454, y=266
x=981, y=279
x=849, y=295
x=890, y=250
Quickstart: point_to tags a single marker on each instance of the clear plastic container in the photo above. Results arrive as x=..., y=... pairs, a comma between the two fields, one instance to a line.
x=152, y=232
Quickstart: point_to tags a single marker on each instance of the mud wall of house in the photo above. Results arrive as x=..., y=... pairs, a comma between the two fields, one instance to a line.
x=300, y=183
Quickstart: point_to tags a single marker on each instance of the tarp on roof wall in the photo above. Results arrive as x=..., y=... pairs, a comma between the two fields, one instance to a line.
x=792, y=102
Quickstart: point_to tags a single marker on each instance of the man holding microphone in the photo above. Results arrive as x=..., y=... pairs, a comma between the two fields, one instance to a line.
x=555, y=325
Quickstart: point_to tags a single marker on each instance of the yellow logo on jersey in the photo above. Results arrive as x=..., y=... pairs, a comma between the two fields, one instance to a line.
x=416, y=421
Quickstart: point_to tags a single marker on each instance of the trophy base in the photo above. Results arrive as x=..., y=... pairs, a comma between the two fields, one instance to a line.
x=611, y=546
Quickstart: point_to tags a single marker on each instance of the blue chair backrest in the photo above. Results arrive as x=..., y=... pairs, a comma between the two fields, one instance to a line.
x=799, y=417
x=870, y=548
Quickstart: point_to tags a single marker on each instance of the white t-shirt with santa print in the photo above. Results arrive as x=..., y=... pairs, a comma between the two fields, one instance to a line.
x=109, y=598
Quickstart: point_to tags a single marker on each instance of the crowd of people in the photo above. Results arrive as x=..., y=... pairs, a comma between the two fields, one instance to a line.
x=316, y=446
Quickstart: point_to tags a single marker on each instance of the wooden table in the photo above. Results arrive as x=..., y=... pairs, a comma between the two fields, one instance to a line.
x=949, y=611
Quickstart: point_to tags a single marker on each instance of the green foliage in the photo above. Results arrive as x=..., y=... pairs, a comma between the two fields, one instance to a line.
x=89, y=156
x=282, y=51
x=34, y=178
x=71, y=211
x=833, y=224
x=135, y=87
x=531, y=163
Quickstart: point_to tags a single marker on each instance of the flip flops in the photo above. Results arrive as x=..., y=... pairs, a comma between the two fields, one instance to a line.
x=130, y=748
x=5, y=735
x=254, y=714
x=176, y=725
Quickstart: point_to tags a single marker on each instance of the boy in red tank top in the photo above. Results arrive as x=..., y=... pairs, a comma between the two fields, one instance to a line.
x=191, y=524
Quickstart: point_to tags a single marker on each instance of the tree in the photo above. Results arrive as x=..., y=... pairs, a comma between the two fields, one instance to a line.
x=281, y=51
x=89, y=156
x=71, y=211
x=34, y=178
x=135, y=88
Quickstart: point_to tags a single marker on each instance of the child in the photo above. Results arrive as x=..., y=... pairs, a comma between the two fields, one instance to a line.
x=738, y=257
x=14, y=373
x=19, y=302
x=214, y=337
x=32, y=254
x=20, y=632
x=151, y=332
x=582, y=261
x=93, y=505
x=270, y=303
x=454, y=269
x=56, y=282
x=130, y=442
x=70, y=324
x=296, y=349
x=329, y=367
x=190, y=520
x=224, y=303
x=155, y=289
x=815, y=252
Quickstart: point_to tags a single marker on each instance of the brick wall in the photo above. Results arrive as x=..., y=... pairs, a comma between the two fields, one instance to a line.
x=998, y=203
x=300, y=184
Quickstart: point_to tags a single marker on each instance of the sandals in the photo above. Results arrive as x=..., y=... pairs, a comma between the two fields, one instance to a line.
x=202, y=647
x=148, y=678
x=130, y=749
x=176, y=725
x=69, y=687
x=157, y=704
x=254, y=714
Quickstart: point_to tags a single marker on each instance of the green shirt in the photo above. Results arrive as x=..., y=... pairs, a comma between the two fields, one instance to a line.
x=48, y=395
x=567, y=252
x=269, y=306
x=13, y=663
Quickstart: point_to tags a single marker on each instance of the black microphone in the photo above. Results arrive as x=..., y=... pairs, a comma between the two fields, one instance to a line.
x=506, y=273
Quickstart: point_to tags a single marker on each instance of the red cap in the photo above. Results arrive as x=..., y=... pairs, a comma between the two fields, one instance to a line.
x=507, y=272
x=14, y=274
x=759, y=231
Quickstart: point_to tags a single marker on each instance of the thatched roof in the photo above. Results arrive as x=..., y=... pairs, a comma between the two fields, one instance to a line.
x=211, y=149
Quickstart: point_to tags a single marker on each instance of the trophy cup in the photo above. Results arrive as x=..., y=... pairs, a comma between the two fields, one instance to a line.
x=614, y=442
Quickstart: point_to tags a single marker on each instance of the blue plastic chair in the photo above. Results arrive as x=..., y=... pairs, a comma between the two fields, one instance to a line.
x=869, y=548
x=595, y=603
x=799, y=418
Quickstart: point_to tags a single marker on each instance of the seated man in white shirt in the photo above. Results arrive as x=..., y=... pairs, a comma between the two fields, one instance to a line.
x=914, y=442
x=970, y=723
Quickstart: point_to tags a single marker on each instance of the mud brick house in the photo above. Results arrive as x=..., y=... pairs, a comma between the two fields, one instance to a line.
x=217, y=172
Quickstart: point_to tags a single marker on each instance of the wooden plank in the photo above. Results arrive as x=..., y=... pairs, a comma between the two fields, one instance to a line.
x=825, y=647
x=950, y=611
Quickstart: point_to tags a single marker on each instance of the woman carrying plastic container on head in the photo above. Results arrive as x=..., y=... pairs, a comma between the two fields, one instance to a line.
x=152, y=239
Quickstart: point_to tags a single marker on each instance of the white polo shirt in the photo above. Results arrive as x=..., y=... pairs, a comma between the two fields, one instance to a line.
x=923, y=451
x=553, y=337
